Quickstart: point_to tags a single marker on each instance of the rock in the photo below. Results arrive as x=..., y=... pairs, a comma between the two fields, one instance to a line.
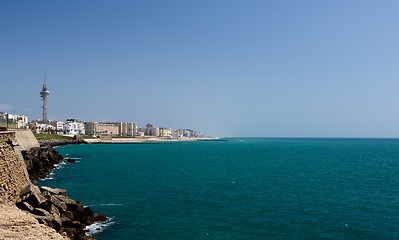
x=27, y=189
x=71, y=204
x=35, y=198
x=57, y=222
x=54, y=191
x=41, y=212
x=66, y=222
x=60, y=205
x=54, y=210
x=70, y=160
x=89, y=212
x=25, y=206
x=76, y=224
x=69, y=215
x=100, y=218
x=45, y=205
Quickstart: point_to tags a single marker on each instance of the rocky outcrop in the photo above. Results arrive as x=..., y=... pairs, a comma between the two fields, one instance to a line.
x=40, y=161
x=20, y=166
x=53, y=143
x=53, y=208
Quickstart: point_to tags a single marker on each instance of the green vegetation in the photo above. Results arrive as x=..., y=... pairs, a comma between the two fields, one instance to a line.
x=51, y=137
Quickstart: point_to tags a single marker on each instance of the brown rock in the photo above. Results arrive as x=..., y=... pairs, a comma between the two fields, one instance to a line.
x=54, y=191
x=35, y=198
x=54, y=210
x=89, y=212
x=66, y=222
x=60, y=205
x=76, y=224
x=69, y=215
x=71, y=204
x=25, y=206
x=57, y=222
x=41, y=212
x=100, y=218
x=27, y=189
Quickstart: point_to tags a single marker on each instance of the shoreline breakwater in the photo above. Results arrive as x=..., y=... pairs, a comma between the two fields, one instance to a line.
x=22, y=165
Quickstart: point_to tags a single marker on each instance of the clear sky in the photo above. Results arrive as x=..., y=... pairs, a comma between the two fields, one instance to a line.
x=225, y=67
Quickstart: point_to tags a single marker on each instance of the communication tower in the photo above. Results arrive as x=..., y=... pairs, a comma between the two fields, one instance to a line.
x=44, y=95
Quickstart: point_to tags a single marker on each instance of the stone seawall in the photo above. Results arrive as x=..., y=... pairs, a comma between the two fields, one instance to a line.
x=13, y=173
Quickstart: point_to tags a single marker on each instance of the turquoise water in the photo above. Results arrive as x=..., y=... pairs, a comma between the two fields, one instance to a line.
x=239, y=189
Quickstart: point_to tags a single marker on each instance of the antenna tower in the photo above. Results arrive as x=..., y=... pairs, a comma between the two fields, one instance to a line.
x=44, y=95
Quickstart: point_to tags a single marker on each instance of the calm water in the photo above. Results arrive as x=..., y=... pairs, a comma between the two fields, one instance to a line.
x=239, y=189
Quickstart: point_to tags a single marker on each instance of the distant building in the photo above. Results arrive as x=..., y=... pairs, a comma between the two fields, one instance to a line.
x=108, y=128
x=74, y=127
x=13, y=120
x=150, y=130
x=40, y=127
x=165, y=132
x=123, y=129
x=58, y=125
x=91, y=128
x=131, y=129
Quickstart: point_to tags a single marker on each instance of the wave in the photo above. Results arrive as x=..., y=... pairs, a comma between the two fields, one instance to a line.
x=105, y=204
x=96, y=228
x=46, y=178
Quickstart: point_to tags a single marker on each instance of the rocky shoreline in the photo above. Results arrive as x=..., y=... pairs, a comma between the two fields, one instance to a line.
x=50, y=206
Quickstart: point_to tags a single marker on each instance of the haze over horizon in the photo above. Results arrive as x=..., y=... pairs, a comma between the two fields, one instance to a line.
x=227, y=68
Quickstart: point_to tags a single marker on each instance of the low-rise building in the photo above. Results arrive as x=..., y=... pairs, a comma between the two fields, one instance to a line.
x=74, y=127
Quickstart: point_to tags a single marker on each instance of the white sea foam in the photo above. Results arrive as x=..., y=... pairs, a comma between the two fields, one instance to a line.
x=46, y=178
x=96, y=228
x=105, y=204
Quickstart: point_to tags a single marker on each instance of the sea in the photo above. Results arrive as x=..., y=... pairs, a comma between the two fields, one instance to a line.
x=237, y=188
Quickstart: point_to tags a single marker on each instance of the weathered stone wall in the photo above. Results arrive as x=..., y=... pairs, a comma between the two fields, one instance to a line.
x=25, y=139
x=12, y=173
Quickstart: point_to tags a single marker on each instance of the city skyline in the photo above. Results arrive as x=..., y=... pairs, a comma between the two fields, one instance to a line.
x=227, y=68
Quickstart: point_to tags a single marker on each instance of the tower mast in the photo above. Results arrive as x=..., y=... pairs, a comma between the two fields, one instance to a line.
x=44, y=93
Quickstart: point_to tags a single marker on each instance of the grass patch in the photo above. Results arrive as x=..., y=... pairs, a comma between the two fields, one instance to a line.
x=51, y=137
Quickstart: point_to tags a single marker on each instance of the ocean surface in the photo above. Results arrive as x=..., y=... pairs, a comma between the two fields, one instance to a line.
x=249, y=188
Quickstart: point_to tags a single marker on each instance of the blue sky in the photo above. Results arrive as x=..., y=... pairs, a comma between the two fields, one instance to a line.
x=227, y=68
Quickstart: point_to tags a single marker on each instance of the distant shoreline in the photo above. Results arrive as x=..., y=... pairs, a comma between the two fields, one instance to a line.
x=148, y=140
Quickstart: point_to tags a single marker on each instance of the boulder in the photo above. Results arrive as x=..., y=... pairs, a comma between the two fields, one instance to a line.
x=71, y=204
x=25, y=206
x=69, y=215
x=27, y=189
x=54, y=191
x=45, y=205
x=41, y=212
x=89, y=212
x=100, y=218
x=35, y=198
x=70, y=160
x=54, y=210
x=66, y=222
x=60, y=205
x=57, y=222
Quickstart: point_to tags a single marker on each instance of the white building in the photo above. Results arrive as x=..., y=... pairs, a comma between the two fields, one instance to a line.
x=131, y=129
x=58, y=125
x=15, y=120
x=74, y=127
x=165, y=132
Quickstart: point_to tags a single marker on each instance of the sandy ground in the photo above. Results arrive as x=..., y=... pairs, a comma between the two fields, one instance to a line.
x=18, y=225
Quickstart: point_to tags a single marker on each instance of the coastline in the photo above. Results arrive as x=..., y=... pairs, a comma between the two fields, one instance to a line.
x=147, y=140
x=32, y=212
